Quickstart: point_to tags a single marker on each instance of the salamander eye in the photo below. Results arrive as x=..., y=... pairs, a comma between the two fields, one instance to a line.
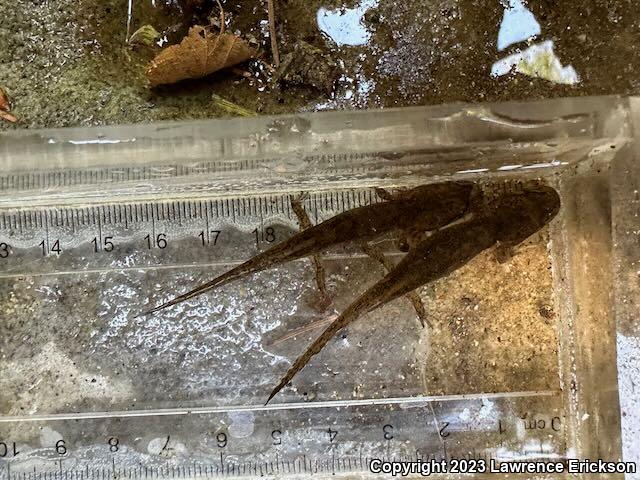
x=403, y=244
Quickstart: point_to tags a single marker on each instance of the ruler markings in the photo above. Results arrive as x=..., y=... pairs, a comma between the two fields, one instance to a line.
x=99, y=233
x=215, y=203
x=85, y=221
x=68, y=215
x=206, y=220
x=86, y=216
x=176, y=210
x=46, y=231
x=288, y=210
x=151, y=217
x=316, y=207
x=333, y=461
x=92, y=216
x=337, y=463
x=131, y=214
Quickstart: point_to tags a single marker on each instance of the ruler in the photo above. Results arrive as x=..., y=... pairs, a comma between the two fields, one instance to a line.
x=89, y=390
x=116, y=245
x=327, y=438
x=154, y=233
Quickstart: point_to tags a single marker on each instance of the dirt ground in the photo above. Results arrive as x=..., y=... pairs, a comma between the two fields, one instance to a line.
x=68, y=63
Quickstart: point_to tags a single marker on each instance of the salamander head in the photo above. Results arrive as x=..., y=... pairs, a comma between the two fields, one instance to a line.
x=519, y=215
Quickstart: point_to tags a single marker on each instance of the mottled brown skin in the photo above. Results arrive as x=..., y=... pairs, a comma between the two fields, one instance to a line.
x=507, y=221
x=423, y=208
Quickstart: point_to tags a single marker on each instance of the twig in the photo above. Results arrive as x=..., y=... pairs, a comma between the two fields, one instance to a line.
x=231, y=107
x=222, y=19
x=129, y=17
x=272, y=33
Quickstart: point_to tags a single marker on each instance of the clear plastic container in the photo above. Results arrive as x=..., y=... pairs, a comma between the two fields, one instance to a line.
x=519, y=362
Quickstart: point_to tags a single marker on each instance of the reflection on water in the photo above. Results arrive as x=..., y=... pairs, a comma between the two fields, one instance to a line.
x=404, y=49
x=344, y=25
x=539, y=60
x=518, y=24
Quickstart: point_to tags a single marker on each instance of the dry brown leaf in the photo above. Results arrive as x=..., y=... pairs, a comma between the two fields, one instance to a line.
x=5, y=107
x=5, y=103
x=8, y=117
x=199, y=54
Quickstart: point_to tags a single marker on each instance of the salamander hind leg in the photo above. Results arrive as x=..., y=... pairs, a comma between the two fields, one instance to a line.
x=304, y=223
x=413, y=297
